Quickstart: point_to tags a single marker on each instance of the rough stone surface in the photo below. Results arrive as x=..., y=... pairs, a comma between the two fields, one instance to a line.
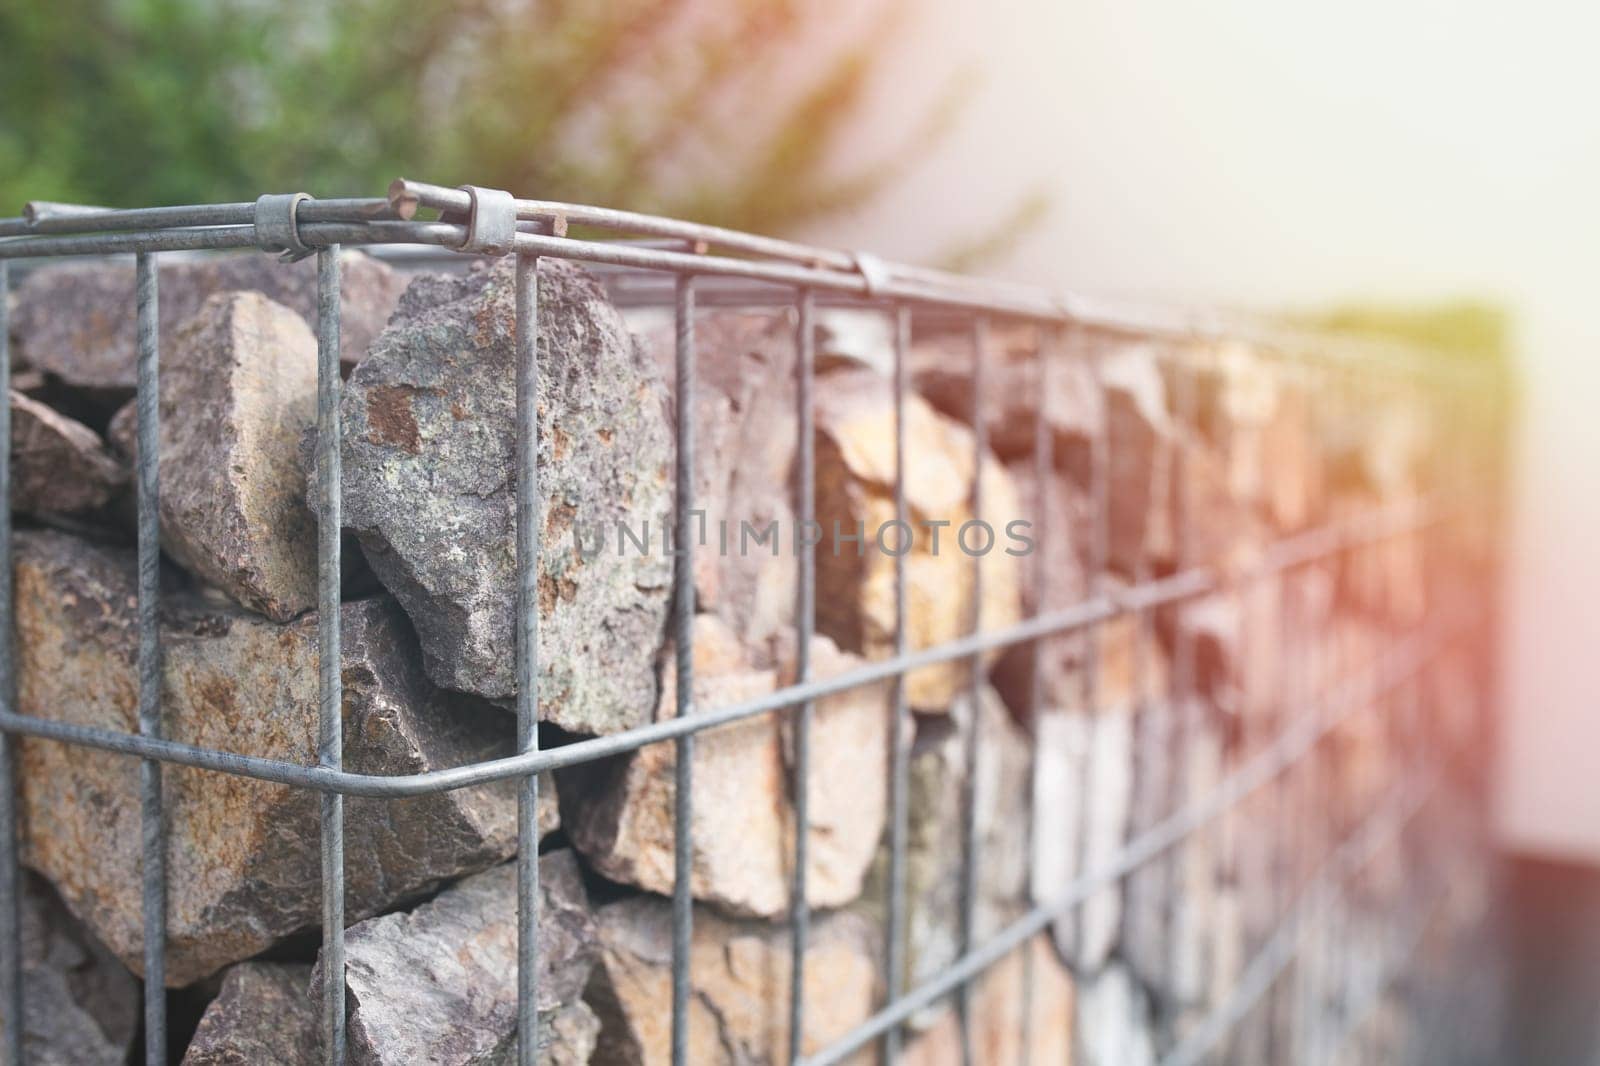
x=266, y=1014
x=430, y=489
x=1083, y=788
x=1238, y=647
x=58, y=465
x=243, y=858
x=238, y=390
x=1210, y=524
x=1114, y=1021
x=1146, y=890
x=1293, y=473
x=439, y=984
x=1388, y=578
x=855, y=484
x=745, y=437
x=620, y=815
x=80, y=1005
x=1170, y=903
x=1139, y=434
x=935, y=830
x=740, y=974
x=999, y=1006
x=76, y=321
x=263, y=1014
x=1014, y=387
x=1053, y=577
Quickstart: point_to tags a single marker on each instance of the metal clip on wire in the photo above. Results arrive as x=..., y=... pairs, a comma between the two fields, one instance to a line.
x=492, y=221
x=277, y=229
x=872, y=271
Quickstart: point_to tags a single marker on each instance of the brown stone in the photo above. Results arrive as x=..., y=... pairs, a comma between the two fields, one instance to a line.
x=1053, y=578
x=1014, y=391
x=1385, y=578
x=744, y=447
x=1293, y=474
x=855, y=485
x=1211, y=525
x=59, y=466
x=1003, y=1034
x=243, y=857
x=238, y=390
x=741, y=977
x=1139, y=434
x=77, y=321
x=620, y=815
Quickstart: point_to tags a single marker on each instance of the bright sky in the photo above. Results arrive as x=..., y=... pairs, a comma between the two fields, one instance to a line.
x=1273, y=152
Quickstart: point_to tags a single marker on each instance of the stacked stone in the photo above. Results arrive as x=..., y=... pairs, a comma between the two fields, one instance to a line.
x=1205, y=456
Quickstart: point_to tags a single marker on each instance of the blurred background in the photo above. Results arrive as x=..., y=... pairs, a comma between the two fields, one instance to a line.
x=1408, y=167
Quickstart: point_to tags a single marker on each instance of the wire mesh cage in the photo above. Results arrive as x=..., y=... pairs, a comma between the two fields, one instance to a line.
x=1322, y=774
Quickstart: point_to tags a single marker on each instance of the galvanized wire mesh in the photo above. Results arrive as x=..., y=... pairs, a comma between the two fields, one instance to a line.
x=679, y=264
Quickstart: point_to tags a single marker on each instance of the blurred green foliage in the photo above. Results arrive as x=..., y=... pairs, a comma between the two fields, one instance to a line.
x=1460, y=330
x=725, y=111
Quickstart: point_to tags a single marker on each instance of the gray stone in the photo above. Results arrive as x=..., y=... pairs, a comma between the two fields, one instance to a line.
x=238, y=389
x=1083, y=788
x=438, y=984
x=740, y=973
x=1114, y=1021
x=80, y=1005
x=619, y=814
x=263, y=1014
x=243, y=856
x=1147, y=890
x=934, y=845
x=266, y=1014
x=58, y=465
x=430, y=489
x=76, y=321
x=1170, y=902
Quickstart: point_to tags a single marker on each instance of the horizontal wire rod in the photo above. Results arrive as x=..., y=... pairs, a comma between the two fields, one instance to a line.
x=51, y=229
x=1289, y=553
x=45, y=217
x=405, y=196
x=1288, y=748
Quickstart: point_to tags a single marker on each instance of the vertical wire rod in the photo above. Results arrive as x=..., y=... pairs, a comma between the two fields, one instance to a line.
x=153, y=874
x=10, y=864
x=974, y=734
x=805, y=619
x=1186, y=710
x=330, y=686
x=900, y=725
x=1099, y=562
x=528, y=530
x=1046, y=352
x=683, y=605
